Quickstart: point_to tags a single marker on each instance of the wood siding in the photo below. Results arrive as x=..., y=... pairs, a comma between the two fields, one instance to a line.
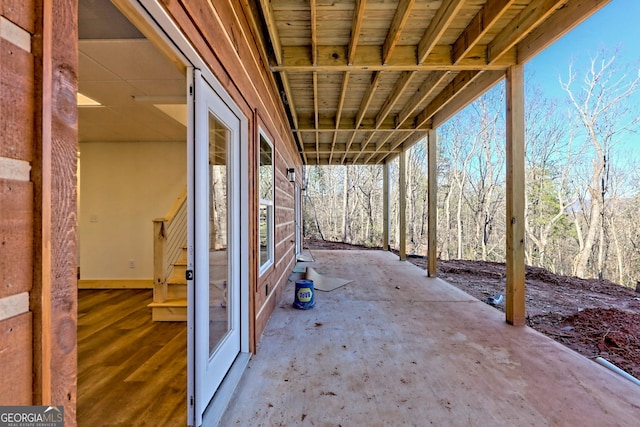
x=38, y=84
x=240, y=65
x=17, y=88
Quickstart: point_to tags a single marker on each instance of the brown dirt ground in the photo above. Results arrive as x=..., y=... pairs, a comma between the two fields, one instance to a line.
x=596, y=318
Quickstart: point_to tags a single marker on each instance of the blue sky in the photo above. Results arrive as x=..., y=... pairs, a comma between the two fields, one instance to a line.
x=615, y=25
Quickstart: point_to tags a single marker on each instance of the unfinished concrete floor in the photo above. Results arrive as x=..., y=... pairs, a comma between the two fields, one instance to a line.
x=395, y=348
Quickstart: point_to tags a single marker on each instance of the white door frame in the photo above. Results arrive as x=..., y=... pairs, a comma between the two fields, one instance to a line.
x=211, y=368
x=166, y=29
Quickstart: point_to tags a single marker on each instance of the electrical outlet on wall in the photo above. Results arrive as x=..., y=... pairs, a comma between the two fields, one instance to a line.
x=132, y=263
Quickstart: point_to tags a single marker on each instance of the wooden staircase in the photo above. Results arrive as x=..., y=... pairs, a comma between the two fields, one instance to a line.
x=174, y=306
x=170, y=264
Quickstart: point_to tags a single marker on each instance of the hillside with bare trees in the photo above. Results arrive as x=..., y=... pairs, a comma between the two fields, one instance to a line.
x=582, y=198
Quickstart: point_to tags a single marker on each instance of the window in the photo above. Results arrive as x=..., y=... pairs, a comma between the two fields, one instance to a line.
x=265, y=211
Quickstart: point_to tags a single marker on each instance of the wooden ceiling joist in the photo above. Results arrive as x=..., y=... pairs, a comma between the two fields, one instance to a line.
x=392, y=99
x=480, y=24
x=438, y=26
x=448, y=93
x=436, y=58
x=356, y=25
x=530, y=17
x=341, y=98
x=314, y=32
x=421, y=95
x=397, y=25
x=561, y=22
x=272, y=29
x=296, y=59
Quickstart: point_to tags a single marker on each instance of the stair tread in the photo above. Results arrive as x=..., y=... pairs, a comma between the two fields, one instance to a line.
x=177, y=280
x=175, y=302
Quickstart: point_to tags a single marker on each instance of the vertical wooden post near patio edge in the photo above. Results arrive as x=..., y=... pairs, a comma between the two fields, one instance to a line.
x=385, y=206
x=53, y=299
x=515, y=303
x=432, y=211
x=402, y=205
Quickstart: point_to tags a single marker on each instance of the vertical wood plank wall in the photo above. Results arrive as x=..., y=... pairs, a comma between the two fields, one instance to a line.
x=38, y=122
x=241, y=67
x=17, y=87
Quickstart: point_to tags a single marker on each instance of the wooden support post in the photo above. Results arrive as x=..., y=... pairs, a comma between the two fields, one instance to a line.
x=402, y=205
x=432, y=219
x=515, y=303
x=385, y=206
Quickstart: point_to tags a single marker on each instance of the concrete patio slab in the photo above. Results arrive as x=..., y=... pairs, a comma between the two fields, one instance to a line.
x=395, y=347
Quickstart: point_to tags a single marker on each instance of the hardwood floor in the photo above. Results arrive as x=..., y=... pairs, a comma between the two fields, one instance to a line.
x=131, y=371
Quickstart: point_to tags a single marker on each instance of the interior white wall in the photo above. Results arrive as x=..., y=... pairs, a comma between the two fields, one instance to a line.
x=124, y=186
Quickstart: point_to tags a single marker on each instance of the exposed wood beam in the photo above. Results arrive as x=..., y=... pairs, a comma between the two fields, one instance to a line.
x=438, y=25
x=560, y=23
x=397, y=25
x=272, y=29
x=316, y=115
x=325, y=148
x=410, y=141
x=477, y=87
x=402, y=205
x=368, y=97
x=515, y=301
x=528, y=19
x=348, y=147
x=385, y=206
x=369, y=58
x=343, y=94
x=424, y=91
x=356, y=25
x=292, y=109
x=315, y=110
x=314, y=32
x=367, y=124
x=432, y=201
x=461, y=81
x=364, y=105
x=398, y=90
x=478, y=27
x=379, y=145
x=363, y=146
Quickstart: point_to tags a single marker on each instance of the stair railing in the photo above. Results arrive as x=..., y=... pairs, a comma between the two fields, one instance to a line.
x=169, y=237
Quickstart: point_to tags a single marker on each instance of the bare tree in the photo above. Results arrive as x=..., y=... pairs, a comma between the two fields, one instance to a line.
x=603, y=115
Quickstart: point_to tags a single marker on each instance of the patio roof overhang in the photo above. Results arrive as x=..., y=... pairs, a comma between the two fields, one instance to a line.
x=363, y=81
